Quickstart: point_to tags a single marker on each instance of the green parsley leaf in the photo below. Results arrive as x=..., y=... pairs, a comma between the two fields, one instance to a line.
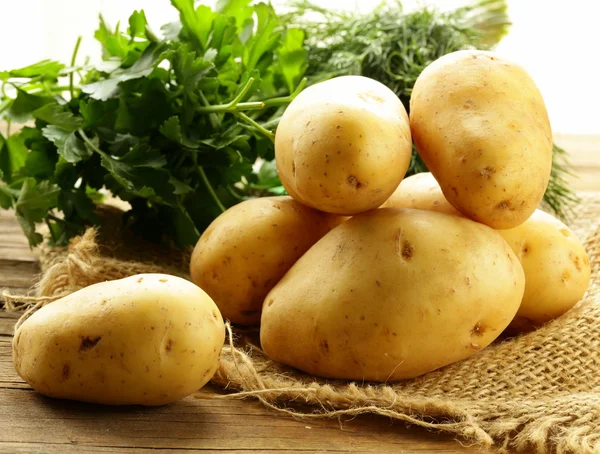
x=24, y=105
x=12, y=157
x=7, y=197
x=240, y=10
x=292, y=57
x=142, y=177
x=46, y=68
x=56, y=115
x=69, y=146
x=28, y=227
x=114, y=44
x=182, y=227
x=188, y=68
x=35, y=200
x=108, y=88
x=137, y=24
x=261, y=45
x=171, y=129
x=196, y=23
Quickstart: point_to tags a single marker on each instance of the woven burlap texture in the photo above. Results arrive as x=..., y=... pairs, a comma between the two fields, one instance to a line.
x=539, y=391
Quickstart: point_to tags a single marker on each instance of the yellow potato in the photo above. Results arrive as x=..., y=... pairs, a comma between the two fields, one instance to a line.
x=343, y=145
x=392, y=294
x=422, y=192
x=557, y=269
x=480, y=124
x=556, y=266
x=148, y=339
x=247, y=249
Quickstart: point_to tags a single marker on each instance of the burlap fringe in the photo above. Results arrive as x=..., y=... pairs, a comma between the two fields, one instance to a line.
x=539, y=391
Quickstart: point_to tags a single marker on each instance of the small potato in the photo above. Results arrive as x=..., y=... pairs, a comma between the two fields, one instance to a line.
x=557, y=269
x=422, y=192
x=392, y=294
x=480, y=124
x=247, y=249
x=343, y=146
x=148, y=339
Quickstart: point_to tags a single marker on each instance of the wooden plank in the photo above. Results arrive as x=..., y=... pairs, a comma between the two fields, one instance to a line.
x=204, y=425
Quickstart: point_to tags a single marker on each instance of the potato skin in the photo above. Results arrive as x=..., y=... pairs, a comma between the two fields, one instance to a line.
x=557, y=269
x=480, y=124
x=343, y=145
x=422, y=192
x=148, y=339
x=392, y=294
x=247, y=249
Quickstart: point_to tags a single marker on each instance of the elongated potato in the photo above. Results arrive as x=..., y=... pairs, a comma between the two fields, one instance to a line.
x=480, y=124
x=247, y=249
x=148, y=339
x=343, y=145
x=557, y=269
x=422, y=192
x=393, y=294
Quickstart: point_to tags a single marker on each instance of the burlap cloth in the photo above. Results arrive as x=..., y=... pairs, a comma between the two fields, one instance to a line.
x=539, y=391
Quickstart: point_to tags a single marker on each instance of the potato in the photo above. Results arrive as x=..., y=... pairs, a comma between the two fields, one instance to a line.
x=247, y=249
x=392, y=294
x=480, y=124
x=343, y=146
x=557, y=269
x=420, y=191
x=556, y=266
x=148, y=339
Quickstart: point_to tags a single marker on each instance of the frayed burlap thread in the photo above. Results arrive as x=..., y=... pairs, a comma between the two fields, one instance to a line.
x=539, y=391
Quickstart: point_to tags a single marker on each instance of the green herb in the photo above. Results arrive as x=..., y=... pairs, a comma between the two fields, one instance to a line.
x=176, y=123
x=171, y=124
x=394, y=47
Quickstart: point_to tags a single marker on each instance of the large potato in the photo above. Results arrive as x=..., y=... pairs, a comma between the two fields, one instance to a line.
x=422, y=192
x=393, y=294
x=480, y=124
x=556, y=266
x=247, y=249
x=557, y=269
x=343, y=145
x=148, y=339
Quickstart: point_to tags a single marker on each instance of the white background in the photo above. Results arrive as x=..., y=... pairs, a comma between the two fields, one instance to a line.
x=558, y=42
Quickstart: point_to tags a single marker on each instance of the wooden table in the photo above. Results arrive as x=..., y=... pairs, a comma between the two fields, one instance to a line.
x=30, y=423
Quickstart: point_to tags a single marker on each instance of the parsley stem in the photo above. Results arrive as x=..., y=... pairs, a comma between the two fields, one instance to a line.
x=236, y=100
x=212, y=117
x=235, y=105
x=51, y=231
x=234, y=194
x=73, y=58
x=91, y=144
x=286, y=99
x=253, y=123
x=150, y=34
x=8, y=128
x=62, y=221
x=5, y=104
x=210, y=188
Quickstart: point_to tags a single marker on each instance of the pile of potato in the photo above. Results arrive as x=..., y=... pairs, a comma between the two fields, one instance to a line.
x=424, y=273
x=359, y=274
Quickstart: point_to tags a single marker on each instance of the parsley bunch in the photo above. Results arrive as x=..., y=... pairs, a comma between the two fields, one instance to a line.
x=174, y=124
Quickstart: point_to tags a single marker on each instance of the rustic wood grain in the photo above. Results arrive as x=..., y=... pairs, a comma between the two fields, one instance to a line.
x=31, y=423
